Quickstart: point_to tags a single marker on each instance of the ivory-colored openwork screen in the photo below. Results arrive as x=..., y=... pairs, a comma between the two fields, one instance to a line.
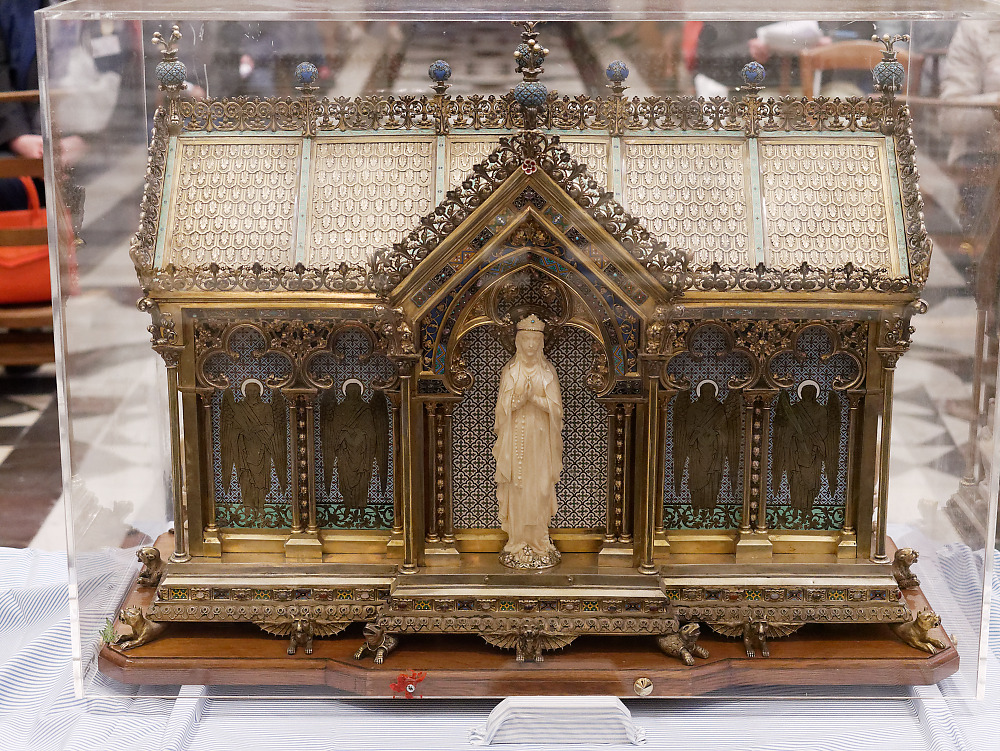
x=366, y=195
x=691, y=194
x=826, y=204
x=466, y=153
x=234, y=202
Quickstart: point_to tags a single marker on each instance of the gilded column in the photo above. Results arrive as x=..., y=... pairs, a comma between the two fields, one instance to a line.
x=213, y=546
x=752, y=540
x=411, y=500
x=746, y=520
x=625, y=535
x=894, y=341
x=397, y=484
x=850, y=506
x=166, y=345
x=614, y=470
x=171, y=356
x=648, y=500
x=447, y=523
x=434, y=460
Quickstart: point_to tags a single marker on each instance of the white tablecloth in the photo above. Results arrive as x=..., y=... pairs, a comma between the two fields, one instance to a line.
x=38, y=709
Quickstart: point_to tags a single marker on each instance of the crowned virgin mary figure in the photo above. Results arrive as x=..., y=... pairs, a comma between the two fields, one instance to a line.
x=528, y=450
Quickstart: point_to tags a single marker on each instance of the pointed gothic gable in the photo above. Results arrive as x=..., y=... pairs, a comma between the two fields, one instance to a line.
x=579, y=208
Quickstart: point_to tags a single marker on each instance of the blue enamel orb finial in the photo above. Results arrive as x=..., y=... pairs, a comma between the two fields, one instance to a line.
x=617, y=71
x=753, y=74
x=439, y=71
x=170, y=72
x=530, y=94
x=888, y=75
x=306, y=74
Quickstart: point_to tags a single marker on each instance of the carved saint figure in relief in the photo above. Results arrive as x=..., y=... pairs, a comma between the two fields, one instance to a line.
x=707, y=440
x=355, y=435
x=807, y=444
x=253, y=440
x=528, y=449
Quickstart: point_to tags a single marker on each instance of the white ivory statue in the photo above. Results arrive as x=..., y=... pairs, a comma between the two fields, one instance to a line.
x=528, y=450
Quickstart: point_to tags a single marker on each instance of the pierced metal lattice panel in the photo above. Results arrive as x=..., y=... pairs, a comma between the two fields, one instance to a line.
x=357, y=362
x=827, y=204
x=582, y=489
x=230, y=510
x=235, y=202
x=827, y=509
x=678, y=512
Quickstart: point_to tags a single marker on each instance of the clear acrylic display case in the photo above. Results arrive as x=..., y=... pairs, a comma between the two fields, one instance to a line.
x=99, y=89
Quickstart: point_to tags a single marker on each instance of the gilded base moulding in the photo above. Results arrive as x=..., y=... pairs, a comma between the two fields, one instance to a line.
x=469, y=665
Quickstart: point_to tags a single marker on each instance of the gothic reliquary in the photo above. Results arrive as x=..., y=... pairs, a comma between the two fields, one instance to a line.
x=531, y=367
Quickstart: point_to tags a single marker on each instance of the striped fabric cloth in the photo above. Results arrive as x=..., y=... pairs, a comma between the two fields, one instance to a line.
x=39, y=711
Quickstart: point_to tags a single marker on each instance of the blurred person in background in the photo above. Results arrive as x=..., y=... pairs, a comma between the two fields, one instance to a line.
x=715, y=52
x=972, y=75
x=20, y=122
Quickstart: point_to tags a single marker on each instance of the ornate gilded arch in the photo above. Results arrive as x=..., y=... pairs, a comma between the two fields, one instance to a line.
x=532, y=269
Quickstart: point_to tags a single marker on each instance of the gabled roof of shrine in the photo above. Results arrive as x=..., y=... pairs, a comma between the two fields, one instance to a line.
x=742, y=194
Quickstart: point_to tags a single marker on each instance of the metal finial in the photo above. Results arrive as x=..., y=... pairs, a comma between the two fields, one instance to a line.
x=888, y=75
x=753, y=75
x=169, y=45
x=888, y=41
x=529, y=57
x=170, y=72
x=617, y=72
x=306, y=74
x=439, y=72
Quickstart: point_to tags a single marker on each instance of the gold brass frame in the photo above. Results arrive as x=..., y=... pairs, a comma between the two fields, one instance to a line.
x=609, y=267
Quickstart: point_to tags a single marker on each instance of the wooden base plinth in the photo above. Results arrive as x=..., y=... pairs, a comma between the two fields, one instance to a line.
x=465, y=666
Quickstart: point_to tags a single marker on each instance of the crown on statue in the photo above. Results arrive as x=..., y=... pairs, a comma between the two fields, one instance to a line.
x=531, y=323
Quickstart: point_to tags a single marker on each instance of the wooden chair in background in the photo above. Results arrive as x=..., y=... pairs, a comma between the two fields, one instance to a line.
x=853, y=55
x=25, y=330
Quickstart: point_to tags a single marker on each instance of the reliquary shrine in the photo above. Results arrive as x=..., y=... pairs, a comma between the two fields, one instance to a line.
x=533, y=366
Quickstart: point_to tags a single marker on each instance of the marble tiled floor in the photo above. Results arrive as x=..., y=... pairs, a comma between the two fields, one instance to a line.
x=29, y=454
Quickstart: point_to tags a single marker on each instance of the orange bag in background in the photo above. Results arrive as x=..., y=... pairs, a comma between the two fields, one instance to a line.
x=24, y=269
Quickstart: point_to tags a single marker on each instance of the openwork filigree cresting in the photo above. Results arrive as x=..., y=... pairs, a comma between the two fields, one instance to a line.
x=583, y=113
x=214, y=277
x=804, y=278
x=669, y=333
x=144, y=241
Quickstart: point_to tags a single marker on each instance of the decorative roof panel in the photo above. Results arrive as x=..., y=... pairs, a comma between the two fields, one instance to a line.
x=365, y=194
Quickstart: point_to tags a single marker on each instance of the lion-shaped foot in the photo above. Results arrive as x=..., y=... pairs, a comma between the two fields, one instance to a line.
x=378, y=643
x=901, y=562
x=916, y=632
x=143, y=629
x=684, y=644
x=152, y=567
